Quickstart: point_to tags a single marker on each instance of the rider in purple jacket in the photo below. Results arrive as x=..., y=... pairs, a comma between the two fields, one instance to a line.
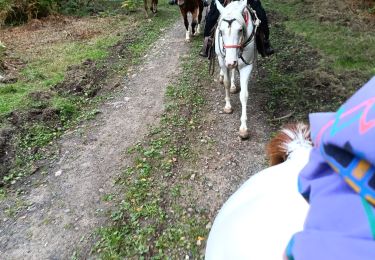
x=339, y=183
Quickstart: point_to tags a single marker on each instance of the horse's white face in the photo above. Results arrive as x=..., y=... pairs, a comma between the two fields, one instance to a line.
x=232, y=33
x=231, y=26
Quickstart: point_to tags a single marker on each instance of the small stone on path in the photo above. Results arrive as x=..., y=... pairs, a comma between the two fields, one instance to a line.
x=58, y=173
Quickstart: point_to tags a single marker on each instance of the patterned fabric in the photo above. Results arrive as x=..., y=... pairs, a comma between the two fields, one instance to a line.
x=339, y=183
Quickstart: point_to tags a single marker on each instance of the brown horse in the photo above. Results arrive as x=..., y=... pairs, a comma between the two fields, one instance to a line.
x=195, y=7
x=153, y=6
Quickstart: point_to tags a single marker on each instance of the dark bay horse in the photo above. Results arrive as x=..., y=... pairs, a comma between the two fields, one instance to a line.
x=153, y=6
x=195, y=7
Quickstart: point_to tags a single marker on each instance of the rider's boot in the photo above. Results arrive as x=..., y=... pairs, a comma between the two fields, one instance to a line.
x=205, y=3
x=206, y=47
x=268, y=48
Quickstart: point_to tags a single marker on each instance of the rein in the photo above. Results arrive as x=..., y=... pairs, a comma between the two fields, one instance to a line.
x=211, y=52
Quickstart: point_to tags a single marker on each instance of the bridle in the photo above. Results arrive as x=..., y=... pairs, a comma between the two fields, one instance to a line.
x=243, y=44
x=229, y=25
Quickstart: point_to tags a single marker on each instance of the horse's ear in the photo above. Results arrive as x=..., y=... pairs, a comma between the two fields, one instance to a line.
x=219, y=6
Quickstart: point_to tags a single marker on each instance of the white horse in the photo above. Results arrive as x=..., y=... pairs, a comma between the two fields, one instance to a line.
x=235, y=48
x=259, y=219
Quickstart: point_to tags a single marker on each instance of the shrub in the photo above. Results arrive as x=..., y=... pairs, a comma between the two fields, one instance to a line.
x=20, y=11
x=5, y=10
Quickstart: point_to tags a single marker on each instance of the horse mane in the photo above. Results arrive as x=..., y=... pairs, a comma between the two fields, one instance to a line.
x=281, y=145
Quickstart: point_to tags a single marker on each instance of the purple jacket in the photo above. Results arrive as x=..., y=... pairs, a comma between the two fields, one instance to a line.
x=339, y=183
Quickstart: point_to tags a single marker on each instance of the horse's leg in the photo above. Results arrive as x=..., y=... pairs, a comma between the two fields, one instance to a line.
x=233, y=88
x=221, y=76
x=194, y=21
x=198, y=29
x=145, y=4
x=228, y=107
x=245, y=73
x=154, y=4
x=201, y=7
x=186, y=23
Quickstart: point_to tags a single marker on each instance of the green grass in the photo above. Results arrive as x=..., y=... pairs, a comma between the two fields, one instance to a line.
x=48, y=70
x=49, y=67
x=152, y=219
x=43, y=72
x=3, y=194
x=345, y=47
x=349, y=50
x=317, y=64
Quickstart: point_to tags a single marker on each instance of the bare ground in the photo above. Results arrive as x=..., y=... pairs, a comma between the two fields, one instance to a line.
x=61, y=207
x=226, y=161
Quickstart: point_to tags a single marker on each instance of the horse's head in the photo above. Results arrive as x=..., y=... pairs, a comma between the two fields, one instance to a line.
x=232, y=29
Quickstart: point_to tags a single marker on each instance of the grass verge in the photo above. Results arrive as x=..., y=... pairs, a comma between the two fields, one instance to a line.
x=157, y=216
x=343, y=46
x=319, y=62
x=44, y=102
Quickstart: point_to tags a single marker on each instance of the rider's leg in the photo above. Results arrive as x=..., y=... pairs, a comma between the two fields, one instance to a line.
x=264, y=28
x=211, y=19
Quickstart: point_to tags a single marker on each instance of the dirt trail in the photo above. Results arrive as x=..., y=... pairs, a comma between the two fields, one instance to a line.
x=62, y=208
x=230, y=161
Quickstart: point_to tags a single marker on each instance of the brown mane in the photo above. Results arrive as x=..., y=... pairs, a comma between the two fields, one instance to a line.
x=277, y=150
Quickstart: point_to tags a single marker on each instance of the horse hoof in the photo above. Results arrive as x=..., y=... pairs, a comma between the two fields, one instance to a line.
x=244, y=133
x=221, y=79
x=234, y=90
x=198, y=29
x=187, y=36
x=228, y=110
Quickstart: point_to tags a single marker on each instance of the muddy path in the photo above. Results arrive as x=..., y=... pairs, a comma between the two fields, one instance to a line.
x=59, y=209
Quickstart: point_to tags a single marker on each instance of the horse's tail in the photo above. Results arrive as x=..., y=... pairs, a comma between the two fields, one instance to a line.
x=287, y=140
